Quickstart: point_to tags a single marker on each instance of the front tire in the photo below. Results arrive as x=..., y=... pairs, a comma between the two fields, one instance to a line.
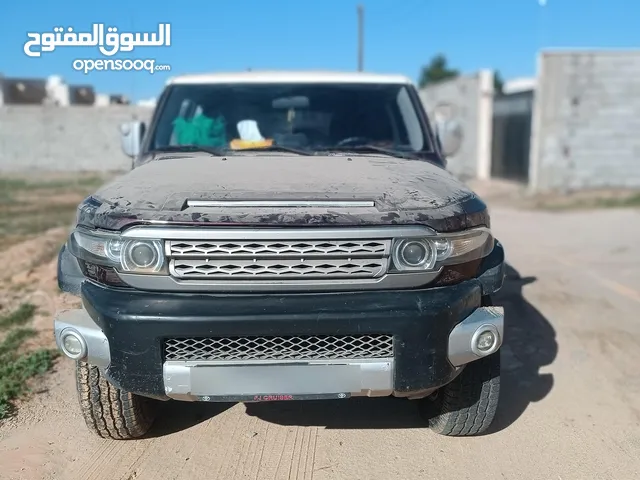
x=108, y=411
x=467, y=405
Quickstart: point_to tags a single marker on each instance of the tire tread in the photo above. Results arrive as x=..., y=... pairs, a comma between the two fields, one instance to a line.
x=108, y=411
x=469, y=403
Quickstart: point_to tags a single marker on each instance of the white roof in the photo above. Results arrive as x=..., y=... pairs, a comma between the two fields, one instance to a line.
x=516, y=85
x=289, y=77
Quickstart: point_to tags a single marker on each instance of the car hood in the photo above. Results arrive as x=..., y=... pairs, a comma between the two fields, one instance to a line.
x=302, y=190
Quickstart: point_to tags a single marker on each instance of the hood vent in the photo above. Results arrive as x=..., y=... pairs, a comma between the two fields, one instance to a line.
x=281, y=203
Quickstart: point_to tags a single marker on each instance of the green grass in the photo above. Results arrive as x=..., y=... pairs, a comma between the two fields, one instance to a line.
x=30, y=206
x=9, y=186
x=15, y=372
x=20, y=222
x=17, y=368
x=22, y=315
x=631, y=201
x=14, y=341
x=562, y=204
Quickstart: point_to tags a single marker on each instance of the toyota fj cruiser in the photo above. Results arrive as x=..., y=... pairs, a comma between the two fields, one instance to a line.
x=283, y=237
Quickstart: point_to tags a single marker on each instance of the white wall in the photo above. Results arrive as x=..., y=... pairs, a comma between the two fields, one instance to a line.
x=49, y=138
x=586, y=121
x=469, y=98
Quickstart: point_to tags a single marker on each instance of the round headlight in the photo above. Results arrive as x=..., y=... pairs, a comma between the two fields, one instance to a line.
x=142, y=255
x=414, y=255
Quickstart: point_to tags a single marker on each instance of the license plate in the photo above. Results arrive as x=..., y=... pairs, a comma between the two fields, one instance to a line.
x=271, y=397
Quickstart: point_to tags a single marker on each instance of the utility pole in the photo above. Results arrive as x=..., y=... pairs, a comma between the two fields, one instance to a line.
x=360, y=38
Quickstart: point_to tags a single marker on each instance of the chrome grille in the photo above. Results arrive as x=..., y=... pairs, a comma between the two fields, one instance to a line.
x=275, y=248
x=278, y=259
x=279, y=348
x=316, y=268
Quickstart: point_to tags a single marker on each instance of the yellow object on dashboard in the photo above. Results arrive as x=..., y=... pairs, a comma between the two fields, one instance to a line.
x=238, y=144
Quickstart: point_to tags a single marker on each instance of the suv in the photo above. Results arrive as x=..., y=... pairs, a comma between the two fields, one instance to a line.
x=281, y=237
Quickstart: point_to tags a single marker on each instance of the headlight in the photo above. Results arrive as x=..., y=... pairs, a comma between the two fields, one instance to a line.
x=142, y=256
x=126, y=255
x=433, y=252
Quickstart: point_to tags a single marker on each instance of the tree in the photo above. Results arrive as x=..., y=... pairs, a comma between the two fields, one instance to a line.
x=436, y=71
x=498, y=83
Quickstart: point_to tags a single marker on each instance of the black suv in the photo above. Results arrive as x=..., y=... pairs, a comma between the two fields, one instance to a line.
x=280, y=237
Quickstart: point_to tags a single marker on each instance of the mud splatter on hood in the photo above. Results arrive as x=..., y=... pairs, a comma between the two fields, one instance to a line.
x=403, y=192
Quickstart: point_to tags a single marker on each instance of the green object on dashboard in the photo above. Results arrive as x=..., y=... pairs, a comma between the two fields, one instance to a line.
x=200, y=130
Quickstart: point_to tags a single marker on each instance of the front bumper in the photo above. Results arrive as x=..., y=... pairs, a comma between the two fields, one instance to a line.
x=432, y=332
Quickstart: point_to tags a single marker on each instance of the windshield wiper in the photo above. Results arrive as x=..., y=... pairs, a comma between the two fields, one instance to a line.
x=216, y=152
x=275, y=148
x=373, y=149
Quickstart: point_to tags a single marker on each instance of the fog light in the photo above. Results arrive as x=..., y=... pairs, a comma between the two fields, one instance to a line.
x=73, y=345
x=485, y=341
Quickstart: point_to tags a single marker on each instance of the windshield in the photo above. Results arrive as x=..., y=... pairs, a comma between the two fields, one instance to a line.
x=306, y=117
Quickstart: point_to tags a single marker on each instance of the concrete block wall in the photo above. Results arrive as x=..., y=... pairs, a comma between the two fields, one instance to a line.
x=468, y=100
x=70, y=139
x=586, y=121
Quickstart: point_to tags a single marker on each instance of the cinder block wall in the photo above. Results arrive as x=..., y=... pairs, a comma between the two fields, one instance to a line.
x=586, y=121
x=470, y=98
x=70, y=139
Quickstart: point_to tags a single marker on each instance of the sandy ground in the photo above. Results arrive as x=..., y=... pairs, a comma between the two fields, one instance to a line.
x=570, y=404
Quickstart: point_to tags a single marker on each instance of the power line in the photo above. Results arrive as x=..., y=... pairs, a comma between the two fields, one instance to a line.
x=360, y=38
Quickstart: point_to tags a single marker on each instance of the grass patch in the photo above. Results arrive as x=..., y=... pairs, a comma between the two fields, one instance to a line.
x=10, y=186
x=588, y=201
x=30, y=206
x=15, y=372
x=19, y=224
x=631, y=201
x=17, y=367
x=14, y=341
x=20, y=316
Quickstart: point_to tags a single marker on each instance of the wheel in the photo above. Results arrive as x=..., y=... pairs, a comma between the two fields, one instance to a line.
x=468, y=404
x=108, y=411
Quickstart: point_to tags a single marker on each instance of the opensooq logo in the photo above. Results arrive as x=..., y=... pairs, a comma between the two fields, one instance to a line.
x=108, y=40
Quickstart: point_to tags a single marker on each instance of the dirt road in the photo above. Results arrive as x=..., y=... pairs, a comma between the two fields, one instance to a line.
x=570, y=406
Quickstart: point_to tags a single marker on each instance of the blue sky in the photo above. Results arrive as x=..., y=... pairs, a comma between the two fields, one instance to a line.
x=400, y=35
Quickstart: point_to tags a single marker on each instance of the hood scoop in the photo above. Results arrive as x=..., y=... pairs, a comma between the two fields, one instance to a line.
x=281, y=203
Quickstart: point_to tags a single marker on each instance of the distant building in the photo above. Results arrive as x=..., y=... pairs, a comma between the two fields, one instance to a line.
x=82, y=95
x=102, y=100
x=149, y=102
x=518, y=85
x=23, y=91
x=118, y=100
x=57, y=91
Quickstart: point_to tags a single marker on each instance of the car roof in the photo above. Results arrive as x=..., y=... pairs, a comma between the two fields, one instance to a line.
x=289, y=77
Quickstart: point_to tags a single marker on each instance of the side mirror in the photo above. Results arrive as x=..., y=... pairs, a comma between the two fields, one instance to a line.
x=449, y=135
x=131, y=134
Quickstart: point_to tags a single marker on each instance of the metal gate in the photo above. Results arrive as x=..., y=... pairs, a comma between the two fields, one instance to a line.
x=511, y=136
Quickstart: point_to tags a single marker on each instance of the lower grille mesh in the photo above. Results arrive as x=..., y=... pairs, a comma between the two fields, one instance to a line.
x=279, y=348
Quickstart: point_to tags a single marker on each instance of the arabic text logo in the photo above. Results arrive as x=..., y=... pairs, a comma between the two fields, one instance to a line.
x=108, y=40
